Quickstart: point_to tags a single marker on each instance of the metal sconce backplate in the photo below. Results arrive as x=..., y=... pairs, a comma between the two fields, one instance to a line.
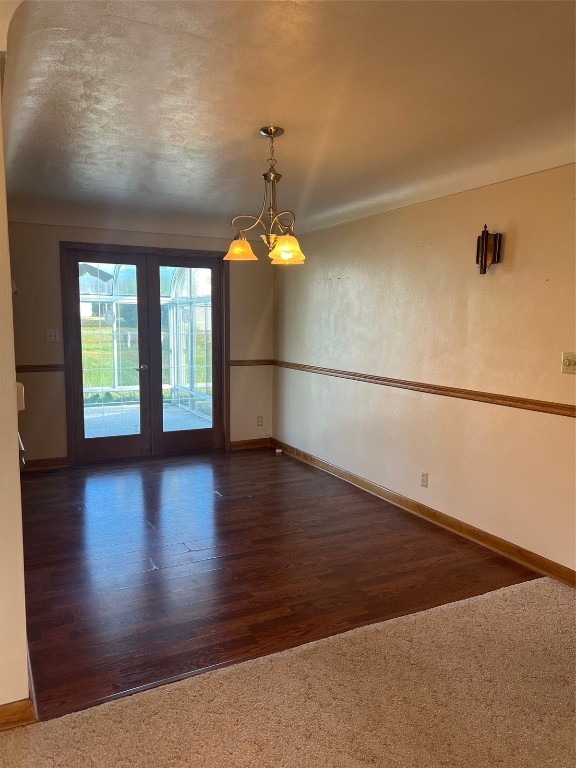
x=488, y=248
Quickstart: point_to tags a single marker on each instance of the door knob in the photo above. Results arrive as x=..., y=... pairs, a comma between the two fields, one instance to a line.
x=142, y=367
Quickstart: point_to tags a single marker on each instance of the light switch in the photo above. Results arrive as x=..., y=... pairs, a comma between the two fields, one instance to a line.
x=52, y=334
x=568, y=362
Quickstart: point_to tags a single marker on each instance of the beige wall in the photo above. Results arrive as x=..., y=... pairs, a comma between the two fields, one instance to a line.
x=42, y=424
x=399, y=295
x=35, y=253
x=13, y=660
x=251, y=338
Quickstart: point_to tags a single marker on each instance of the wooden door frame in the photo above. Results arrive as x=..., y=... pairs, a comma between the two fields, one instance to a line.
x=69, y=252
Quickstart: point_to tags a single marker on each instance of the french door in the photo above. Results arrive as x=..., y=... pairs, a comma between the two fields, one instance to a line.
x=144, y=348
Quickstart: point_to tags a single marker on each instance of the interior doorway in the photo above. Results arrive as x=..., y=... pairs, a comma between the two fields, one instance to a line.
x=144, y=339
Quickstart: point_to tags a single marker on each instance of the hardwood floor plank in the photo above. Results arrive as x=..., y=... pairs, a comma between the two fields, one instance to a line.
x=142, y=572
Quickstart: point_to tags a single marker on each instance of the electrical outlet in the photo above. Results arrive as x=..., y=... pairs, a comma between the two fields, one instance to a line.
x=259, y=421
x=424, y=481
x=52, y=334
x=568, y=362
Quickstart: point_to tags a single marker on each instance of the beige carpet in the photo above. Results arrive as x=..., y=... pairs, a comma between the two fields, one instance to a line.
x=483, y=682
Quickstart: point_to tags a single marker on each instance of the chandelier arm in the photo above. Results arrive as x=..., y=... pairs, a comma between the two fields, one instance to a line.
x=250, y=218
x=277, y=220
x=256, y=219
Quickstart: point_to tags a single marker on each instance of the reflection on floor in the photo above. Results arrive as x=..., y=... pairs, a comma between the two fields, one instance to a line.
x=113, y=420
x=139, y=573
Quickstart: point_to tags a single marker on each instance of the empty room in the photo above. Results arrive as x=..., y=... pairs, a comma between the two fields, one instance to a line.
x=260, y=516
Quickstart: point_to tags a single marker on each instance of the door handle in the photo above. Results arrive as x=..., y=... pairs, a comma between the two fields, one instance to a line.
x=142, y=367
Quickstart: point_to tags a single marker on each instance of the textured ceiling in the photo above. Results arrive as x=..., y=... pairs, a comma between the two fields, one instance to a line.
x=153, y=108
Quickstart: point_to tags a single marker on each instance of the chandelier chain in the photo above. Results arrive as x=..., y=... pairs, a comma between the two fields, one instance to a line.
x=272, y=159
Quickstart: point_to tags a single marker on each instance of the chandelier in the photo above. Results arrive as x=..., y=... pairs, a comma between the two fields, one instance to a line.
x=278, y=226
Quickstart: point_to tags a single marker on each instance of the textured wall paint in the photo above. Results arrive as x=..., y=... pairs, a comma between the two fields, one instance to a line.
x=35, y=253
x=399, y=295
x=13, y=660
x=251, y=338
x=251, y=299
x=251, y=386
x=42, y=424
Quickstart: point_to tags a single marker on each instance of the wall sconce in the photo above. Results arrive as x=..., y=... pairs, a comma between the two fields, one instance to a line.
x=488, y=248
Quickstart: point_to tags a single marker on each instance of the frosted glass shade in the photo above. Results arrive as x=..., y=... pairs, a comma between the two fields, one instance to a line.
x=287, y=251
x=240, y=250
x=287, y=262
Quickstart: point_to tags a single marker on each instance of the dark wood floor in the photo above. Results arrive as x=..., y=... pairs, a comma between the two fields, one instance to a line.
x=139, y=573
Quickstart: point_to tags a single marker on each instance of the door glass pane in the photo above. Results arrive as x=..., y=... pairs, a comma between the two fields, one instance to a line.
x=186, y=319
x=109, y=338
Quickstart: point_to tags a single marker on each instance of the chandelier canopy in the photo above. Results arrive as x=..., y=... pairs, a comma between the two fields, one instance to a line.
x=278, y=226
